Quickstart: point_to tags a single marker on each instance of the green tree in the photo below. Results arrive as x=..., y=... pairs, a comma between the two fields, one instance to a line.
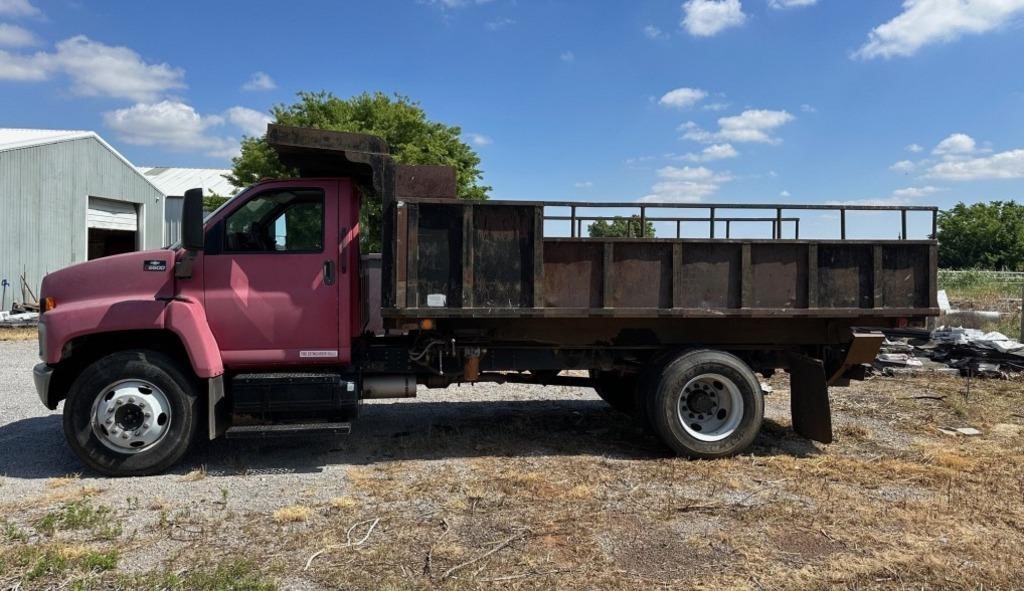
x=982, y=236
x=213, y=201
x=620, y=228
x=412, y=137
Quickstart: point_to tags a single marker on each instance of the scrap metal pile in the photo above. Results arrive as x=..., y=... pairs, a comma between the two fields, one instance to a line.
x=963, y=351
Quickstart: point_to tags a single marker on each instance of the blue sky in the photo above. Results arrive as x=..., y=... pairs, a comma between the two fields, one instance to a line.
x=803, y=101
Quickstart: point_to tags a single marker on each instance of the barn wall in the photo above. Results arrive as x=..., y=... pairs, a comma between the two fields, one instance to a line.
x=44, y=194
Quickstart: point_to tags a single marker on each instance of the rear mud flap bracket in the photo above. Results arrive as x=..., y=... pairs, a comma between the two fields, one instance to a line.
x=809, y=405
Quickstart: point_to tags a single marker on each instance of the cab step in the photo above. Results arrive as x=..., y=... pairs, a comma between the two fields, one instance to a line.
x=288, y=430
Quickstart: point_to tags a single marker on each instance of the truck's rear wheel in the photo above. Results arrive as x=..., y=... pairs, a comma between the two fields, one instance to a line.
x=131, y=413
x=706, y=404
x=617, y=389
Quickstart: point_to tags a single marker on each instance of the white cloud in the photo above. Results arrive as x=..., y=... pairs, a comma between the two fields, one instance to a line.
x=715, y=106
x=784, y=194
x=705, y=18
x=172, y=125
x=500, y=23
x=104, y=70
x=782, y=4
x=713, y=152
x=956, y=145
x=924, y=22
x=913, y=192
x=914, y=148
x=479, y=139
x=15, y=36
x=652, y=32
x=686, y=184
x=1004, y=165
x=752, y=125
x=898, y=197
x=96, y=69
x=250, y=121
x=567, y=56
x=259, y=81
x=19, y=68
x=903, y=166
x=891, y=200
x=18, y=8
x=583, y=184
x=806, y=108
x=682, y=98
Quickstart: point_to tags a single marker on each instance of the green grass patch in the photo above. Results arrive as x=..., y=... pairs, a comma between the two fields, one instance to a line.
x=230, y=575
x=79, y=515
x=55, y=561
x=11, y=532
x=980, y=286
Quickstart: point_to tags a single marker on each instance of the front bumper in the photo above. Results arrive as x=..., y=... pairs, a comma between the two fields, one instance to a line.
x=41, y=375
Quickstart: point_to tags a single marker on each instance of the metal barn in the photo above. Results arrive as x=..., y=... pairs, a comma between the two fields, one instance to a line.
x=67, y=197
x=173, y=182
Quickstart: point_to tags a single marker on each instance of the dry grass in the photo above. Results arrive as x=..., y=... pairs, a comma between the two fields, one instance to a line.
x=292, y=514
x=20, y=333
x=587, y=502
x=195, y=475
x=344, y=503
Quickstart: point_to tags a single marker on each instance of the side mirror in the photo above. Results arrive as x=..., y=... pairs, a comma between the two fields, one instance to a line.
x=192, y=237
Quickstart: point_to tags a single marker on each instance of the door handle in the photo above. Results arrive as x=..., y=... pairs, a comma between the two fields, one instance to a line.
x=328, y=272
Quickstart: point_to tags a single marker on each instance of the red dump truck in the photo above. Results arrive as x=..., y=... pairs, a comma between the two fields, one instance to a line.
x=266, y=320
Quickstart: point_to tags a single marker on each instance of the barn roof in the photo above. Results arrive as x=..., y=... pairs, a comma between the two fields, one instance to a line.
x=175, y=181
x=15, y=139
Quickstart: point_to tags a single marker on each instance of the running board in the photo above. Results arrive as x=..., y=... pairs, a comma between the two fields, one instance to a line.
x=288, y=430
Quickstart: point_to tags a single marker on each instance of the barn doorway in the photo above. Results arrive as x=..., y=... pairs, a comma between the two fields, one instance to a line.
x=113, y=227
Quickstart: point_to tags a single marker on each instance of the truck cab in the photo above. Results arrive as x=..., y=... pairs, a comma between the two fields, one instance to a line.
x=258, y=324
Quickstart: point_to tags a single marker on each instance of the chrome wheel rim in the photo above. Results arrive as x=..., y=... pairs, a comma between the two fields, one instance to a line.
x=710, y=407
x=131, y=416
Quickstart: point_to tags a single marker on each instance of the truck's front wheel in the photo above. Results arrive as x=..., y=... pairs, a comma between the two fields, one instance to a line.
x=706, y=404
x=132, y=413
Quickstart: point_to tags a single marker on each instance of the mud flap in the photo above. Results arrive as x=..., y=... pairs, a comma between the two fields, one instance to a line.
x=216, y=407
x=809, y=406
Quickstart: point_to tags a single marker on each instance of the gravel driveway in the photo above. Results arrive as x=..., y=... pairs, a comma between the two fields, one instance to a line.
x=33, y=449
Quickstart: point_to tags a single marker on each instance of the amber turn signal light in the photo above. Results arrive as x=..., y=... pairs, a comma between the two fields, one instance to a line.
x=426, y=324
x=48, y=304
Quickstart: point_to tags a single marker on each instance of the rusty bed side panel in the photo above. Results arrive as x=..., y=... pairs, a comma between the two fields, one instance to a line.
x=489, y=260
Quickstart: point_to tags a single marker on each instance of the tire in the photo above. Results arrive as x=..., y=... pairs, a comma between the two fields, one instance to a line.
x=150, y=404
x=617, y=389
x=705, y=404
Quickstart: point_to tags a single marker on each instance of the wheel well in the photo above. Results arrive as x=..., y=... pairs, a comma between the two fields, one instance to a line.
x=80, y=352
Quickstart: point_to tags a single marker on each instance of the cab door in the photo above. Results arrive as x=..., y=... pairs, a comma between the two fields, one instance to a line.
x=271, y=274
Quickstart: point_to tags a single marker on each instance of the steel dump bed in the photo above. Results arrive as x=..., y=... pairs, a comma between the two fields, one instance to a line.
x=492, y=259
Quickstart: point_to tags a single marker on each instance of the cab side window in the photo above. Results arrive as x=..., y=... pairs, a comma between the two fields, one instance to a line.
x=278, y=221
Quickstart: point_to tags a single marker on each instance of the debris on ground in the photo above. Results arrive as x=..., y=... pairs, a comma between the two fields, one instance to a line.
x=966, y=351
x=8, y=319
